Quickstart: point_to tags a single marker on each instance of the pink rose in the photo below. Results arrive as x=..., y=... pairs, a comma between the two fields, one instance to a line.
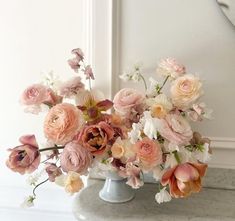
x=71, y=87
x=170, y=67
x=184, y=179
x=96, y=138
x=149, y=153
x=75, y=158
x=26, y=157
x=53, y=171
x=176, y=129
x=62, y=123
x=127, y=99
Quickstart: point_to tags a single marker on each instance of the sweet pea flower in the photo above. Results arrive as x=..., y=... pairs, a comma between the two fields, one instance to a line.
x=74, y=63
x=52, y=171
x=89, y=73
x=184, y=179
x=163, y=196
x=26, y=157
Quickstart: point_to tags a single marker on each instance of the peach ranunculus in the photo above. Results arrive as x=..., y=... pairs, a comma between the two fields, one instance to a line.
x=176, y=129
x=26, y=157
x=75, y=158
x=149, y=153
x=184, y=179
x=73, y=182
x=185, y=90
x=127, y=100
x=96, y=138
x=170, y=67
x=62, y=123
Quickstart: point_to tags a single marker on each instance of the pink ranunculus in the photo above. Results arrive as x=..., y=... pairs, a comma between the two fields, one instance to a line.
x=35, y=94
x=62, y=123
x=127, y=101
x=96, y=137
x=89, y=73
x=26, y=157
x=170, y=67
x=133, y=175
x=149, y=153
x=75, y=158
x=71, y=87
x=184, y=179
x=176, y=129
x=52, y=171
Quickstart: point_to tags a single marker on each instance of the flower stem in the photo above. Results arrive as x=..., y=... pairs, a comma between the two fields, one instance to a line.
x=89, y=80
x=176, y=155
x=34, y=189
x=159, y=90
x=51, y=148
x=145, y=84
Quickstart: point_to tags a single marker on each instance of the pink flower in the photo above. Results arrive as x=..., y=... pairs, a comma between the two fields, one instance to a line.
x=149, y=153
x=75, y=62
x=176, y=129
x=184, y=179
x=170, y=67
x=53, y=171
x=71, y=87
x=89, y=73
x=129, y=103
x=197, y=112
x=132, y=173
x=62, y=123
x=75, y=158
x=26, y=157
x=96, y=137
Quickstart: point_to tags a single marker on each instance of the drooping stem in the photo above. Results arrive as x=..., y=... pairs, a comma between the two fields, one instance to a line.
x=34, y=189
x=166, y=79
x=145, y=84
x=51, y=148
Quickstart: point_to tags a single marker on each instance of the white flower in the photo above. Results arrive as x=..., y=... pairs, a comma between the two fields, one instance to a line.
x=170, y=161
x=28, y=202
x=136, y=77
x=135, y=133
x=51, y=80
x=125, y=77
x=33, y=178
x=151, y=91
x=163, y=196
x=151, y=125
x=203, y=156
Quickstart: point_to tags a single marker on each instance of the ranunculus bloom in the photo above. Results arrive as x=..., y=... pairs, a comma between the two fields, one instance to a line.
x=52, y=171
x=127, y=100
x=96, y=137
x=176, y=129
x=149, y=153
x=73, y=182
x=170, y=67
x=62, y=123
x=184, y=179
x=26, y=157
x=75, y=158
x=71, y=87
x=185, y=90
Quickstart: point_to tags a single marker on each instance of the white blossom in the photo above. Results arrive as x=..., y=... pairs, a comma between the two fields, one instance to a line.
x=203, y=156
x=135, y=133
x=163, y=196
x=125, y=77
x=51, y=80
x=151, y=91
x=28, y=202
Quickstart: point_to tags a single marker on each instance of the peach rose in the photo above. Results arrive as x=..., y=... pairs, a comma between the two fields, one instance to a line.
x=96, y=137
x=185, y=90
x=149, y=153
x=75, y=158
x=184, y=179
x=26, y=157
x=62, y=123
x=170, y=67
x=176, y=129
x=73, y=182
x=127, y=100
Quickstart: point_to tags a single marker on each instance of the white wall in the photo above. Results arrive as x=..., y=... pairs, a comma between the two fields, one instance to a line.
x=198, y=34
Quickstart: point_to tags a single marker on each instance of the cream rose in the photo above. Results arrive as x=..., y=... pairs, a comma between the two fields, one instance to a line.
x=185, y=90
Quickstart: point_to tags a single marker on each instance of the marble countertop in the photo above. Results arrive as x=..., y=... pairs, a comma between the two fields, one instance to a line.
x=210, y=204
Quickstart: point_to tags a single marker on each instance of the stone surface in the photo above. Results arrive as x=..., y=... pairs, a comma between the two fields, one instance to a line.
x=208, y=205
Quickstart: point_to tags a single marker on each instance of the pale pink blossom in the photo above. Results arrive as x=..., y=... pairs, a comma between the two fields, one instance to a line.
x=149, y=153
x=71, y=87
x=74, y=63
x=26, y=157
x=176, y=129
x=170, y=67
x=198, y=112
x=52, y=171
x=89, y=73
x=75, y=158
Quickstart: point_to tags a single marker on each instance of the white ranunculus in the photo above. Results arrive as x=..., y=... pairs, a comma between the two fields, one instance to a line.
x=163, y=196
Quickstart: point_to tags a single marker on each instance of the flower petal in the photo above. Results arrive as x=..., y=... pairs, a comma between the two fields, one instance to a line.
x=186, y=172
x=29, y=139
x=201, y=168
x=167, y=175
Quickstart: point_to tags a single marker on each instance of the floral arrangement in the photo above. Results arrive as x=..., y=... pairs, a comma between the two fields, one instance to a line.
x=148, y=132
